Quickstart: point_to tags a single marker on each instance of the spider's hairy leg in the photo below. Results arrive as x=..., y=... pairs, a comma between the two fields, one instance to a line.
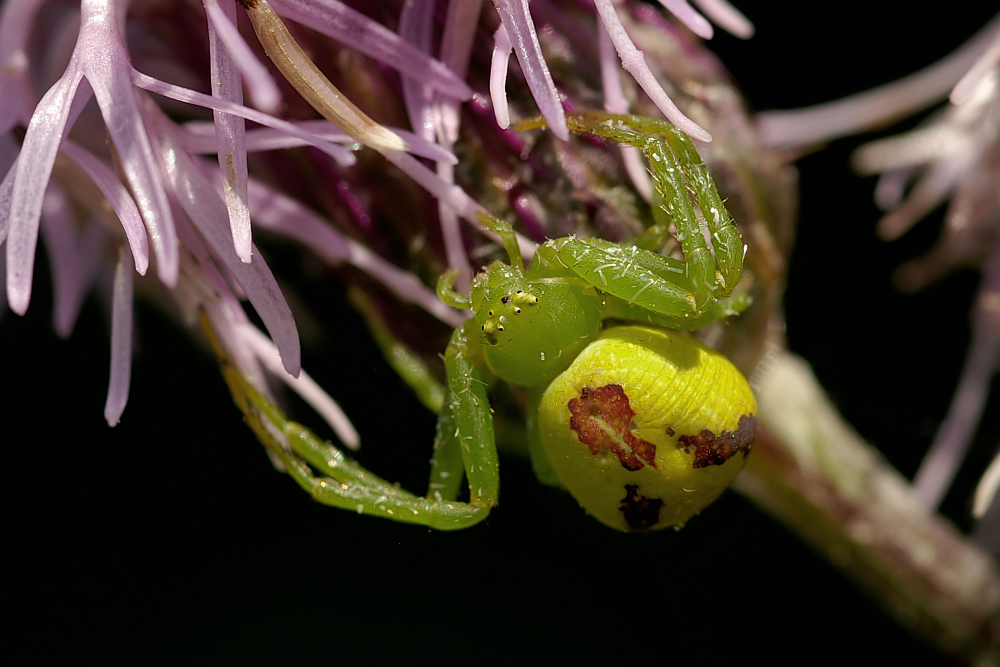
x=506, y=233
x=671, y=197
x=446, y=290
x=342, y=483
x=724, y=307
x=725, y=238
x=649, y=287
x=465, y=438
x=676, y=167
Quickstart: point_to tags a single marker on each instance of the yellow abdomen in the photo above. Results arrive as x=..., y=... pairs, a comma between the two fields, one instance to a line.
x=647, y=427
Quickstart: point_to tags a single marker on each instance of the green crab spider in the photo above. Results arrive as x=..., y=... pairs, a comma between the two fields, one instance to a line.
x=643, y=425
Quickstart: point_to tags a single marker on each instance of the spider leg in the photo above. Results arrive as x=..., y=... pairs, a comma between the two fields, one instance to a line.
x=679, y=174
x=465, y=438
x=342, y=482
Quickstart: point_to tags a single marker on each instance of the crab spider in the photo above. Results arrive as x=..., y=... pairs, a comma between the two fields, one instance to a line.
x=644, y=425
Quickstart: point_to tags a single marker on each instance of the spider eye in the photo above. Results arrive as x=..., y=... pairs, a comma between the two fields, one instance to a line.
x=490, y=313
x=505, y=299
x=517, y=311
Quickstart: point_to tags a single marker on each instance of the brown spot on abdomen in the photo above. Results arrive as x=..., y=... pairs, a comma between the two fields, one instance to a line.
x=714, y=450
x=601, y=419
x=640, y=512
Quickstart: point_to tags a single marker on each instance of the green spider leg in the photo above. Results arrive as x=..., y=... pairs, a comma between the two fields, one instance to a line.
x=465, y=442
x=342, y=483
x=686, y=294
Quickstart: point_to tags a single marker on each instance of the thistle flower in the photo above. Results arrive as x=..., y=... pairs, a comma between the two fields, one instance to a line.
x=153, y=153
x=385, y=209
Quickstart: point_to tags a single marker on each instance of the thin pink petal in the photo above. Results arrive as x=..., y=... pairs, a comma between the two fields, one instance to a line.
x=932, y=189
x=635, y=64
x=727, y=17
x=230, y=131
x=198, y=140
x=343, y=157
x=16, y=21
x=456, y=52
x=34, y=166
x=121, y=201
x=687, y=15
x=348, y=26
x=459, y=36
x=107, y=67
x=6, y=194
x=416, y=27
x=615, y=102
x=283, y=215
x=952, y=441
x=452, y=195
x=208, y=212
x=451, y=233
x=260, y=84
x=121, y=339
x=303, y=385
x=498, y=76
x=521, y=29
x=967, y=85
x=73, y=257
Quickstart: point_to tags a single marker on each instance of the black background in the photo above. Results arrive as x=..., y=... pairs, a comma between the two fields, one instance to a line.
x=171, y=539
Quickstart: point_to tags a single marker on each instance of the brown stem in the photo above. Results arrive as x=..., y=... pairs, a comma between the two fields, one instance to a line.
x=813, y=472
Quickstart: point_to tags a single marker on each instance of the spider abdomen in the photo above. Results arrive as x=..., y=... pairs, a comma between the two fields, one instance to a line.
x=647, y=427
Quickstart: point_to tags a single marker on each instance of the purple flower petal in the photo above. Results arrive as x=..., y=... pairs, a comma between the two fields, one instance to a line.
x=121, y=201
x=687, y=15
x=937, y=470
x=230, y=132
x=6, y=193
x=452, y=195
x=34, y=166
x=878, y=106
x=283, y=215
x=727, y=17
x=260, y=84
x=456, y=51
x=615, y=102
x=521, y=30
x=303, y=385
x=415, y=26
x=207, y=211
x=121, y=339
x=198, y=140
x=73, y=257
x=635, y=64
x=16, y=19
x=498, y=76
x=107, y=67
x=338, y=153
x=338, y=21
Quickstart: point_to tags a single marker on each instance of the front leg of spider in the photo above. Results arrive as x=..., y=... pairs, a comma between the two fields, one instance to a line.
x=465, y=442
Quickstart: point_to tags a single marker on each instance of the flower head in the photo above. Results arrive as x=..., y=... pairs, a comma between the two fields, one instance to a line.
x=170, y=204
